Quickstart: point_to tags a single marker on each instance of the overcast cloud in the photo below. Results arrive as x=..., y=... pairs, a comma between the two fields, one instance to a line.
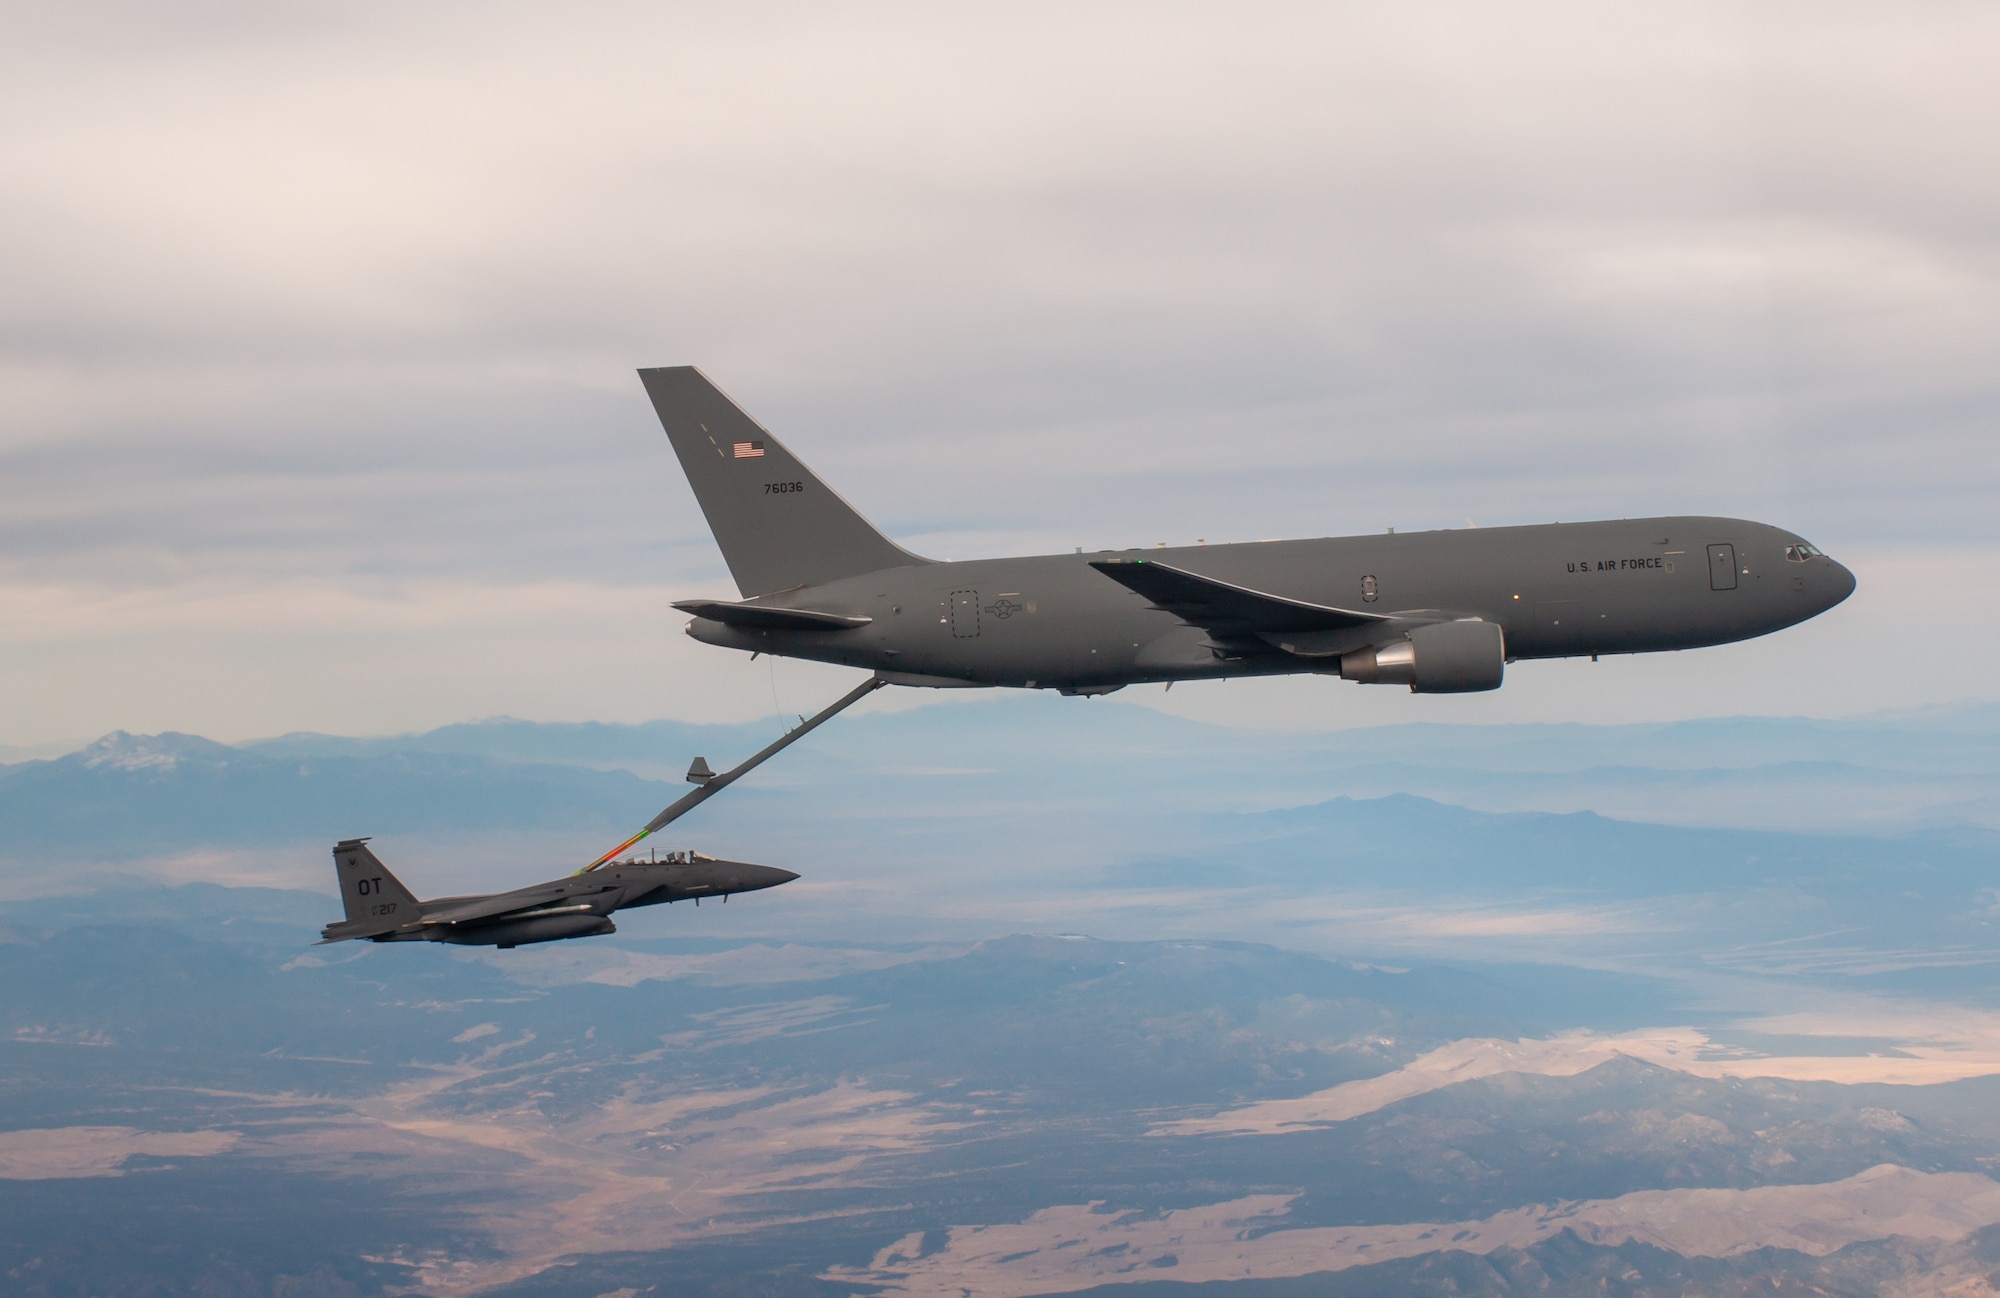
x=317, y=325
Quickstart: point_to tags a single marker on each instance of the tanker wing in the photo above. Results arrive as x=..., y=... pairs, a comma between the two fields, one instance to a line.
x=1223, y=607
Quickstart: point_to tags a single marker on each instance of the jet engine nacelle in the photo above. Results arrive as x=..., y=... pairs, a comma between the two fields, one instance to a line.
x=520, y=932
x=1442, y=658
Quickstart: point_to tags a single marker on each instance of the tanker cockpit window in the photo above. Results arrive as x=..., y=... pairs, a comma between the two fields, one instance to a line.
x=1801, y=552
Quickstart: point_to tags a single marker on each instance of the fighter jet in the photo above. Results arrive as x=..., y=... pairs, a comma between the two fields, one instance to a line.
x=381, y=909
x=1439, y=612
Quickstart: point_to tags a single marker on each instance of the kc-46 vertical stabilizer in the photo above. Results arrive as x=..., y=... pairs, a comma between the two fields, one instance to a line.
x=779, y=526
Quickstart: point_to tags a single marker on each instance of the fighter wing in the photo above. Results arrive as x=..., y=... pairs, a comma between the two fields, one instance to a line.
x=762, y=617
x=1223, y=608
x=465, y=909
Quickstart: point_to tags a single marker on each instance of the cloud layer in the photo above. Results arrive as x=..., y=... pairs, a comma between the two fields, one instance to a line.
x=329, y=315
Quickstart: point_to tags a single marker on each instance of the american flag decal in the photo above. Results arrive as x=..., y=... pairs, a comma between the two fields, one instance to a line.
x=749, y=450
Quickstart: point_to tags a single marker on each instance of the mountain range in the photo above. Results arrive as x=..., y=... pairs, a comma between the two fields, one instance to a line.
x=1073, y=998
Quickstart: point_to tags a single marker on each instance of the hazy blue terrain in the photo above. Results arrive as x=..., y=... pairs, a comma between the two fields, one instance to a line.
x=1071, y=996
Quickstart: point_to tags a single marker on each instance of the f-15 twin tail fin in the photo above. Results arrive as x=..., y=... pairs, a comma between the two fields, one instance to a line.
x=376, y=900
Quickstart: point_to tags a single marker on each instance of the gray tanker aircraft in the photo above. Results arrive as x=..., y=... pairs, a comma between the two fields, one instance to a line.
x=381, y=909
x=1441, y=612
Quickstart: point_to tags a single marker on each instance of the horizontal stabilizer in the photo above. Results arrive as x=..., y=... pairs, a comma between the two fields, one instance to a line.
x=1225, y=608
x=762, y=617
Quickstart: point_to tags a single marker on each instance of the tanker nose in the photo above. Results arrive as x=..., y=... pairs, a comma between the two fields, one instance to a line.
x=1836, y=585
x=1816, y=575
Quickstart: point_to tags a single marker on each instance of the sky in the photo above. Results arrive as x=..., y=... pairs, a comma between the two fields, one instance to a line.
x=318, y=325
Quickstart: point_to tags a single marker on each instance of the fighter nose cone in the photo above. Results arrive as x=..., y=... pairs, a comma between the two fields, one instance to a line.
x=754, y=877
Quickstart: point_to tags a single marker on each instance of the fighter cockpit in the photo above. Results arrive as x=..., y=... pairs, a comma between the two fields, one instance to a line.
x=683, y=856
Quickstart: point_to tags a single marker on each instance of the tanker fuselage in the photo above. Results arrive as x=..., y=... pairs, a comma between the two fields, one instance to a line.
x=1555, y=590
